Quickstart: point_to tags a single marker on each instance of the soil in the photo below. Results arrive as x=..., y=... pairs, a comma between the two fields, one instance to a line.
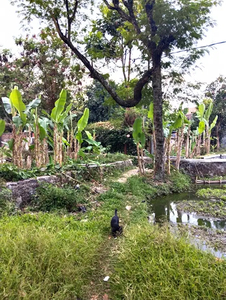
x=130, y=173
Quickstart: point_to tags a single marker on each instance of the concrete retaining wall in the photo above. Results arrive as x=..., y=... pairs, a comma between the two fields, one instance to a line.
x=203, y=167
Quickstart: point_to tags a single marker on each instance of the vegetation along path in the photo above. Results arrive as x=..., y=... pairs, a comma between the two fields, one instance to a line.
x=67, y=256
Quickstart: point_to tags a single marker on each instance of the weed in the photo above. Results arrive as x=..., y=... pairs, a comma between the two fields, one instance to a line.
x=208, y=193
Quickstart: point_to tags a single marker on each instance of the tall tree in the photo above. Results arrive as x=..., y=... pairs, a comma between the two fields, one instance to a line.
x=43, y=65
x=155, y=26
x=217, y=91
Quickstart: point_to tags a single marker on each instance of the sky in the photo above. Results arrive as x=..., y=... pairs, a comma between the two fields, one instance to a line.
x=209, y=67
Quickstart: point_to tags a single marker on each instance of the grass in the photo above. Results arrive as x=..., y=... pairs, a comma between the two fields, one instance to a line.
x=55, y=256
x=216, y=193
x=152, y=264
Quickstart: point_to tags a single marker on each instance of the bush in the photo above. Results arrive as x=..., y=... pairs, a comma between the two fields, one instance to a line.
x=180, y=182
x=116, y=140
x=49, y=197
x=6, y=203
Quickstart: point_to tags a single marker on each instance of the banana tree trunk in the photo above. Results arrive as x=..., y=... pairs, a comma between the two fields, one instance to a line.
x=187, y=146
x=179, y=147
x=218, y=137
x=168, y=154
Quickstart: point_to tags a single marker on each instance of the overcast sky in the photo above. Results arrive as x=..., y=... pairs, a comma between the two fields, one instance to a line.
x=210, y=66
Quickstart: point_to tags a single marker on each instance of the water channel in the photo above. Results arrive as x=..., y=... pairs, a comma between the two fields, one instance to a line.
x=165, y=209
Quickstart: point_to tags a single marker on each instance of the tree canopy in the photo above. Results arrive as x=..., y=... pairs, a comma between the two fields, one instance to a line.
x=153, y=27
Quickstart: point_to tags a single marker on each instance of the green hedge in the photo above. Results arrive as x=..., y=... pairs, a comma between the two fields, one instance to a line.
x=116, y=140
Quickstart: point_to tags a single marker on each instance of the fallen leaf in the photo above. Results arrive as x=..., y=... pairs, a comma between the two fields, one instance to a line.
x=105, y=297
x=128, y=207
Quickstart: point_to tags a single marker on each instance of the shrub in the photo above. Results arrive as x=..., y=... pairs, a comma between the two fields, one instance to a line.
x=49, y=197
x=6, y=203
x=180, y=182
x=116, y=140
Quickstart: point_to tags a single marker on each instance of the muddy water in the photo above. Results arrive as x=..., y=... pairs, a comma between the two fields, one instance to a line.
x=204, y=229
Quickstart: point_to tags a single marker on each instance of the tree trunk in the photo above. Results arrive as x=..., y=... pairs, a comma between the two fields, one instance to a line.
x=198, y=145
x=168, y=143
x=187, y=146
x=218, y=137
x=207, y=140
x=179, y=146
x=158, y=126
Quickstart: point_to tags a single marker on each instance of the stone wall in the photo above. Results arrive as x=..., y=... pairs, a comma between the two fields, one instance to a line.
x=23, y=190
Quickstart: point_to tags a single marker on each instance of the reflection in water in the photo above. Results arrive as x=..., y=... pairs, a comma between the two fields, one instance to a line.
x=166, y=209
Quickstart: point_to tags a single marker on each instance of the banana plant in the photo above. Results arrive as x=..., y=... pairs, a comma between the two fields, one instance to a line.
x=139, y=139
x=204, y=127
x=2, y=127
x=20, y=119
x=93, y=145
x=177, y=123
x=58, y=116
x=15, y=106
x=209, y=127
x=81, y=125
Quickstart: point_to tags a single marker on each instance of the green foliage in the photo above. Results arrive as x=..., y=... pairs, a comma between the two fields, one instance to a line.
x=208, y=193
x=93, y=145
x=217, y=91
x=47, y=256
x=7, y=205
x=42, y=65
x=82, y=123
x=138, y=134
x=12, y=173
x=180, y=182
x=59, y=106
x=49, y=198
x=210, y=207
x=97, y=104
x=52, y=256
x=2, y=127
x=153, y=264
x=115, y=140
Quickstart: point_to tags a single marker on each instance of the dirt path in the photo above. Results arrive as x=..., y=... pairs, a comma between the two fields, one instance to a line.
x=99, y=289
x=130, y=173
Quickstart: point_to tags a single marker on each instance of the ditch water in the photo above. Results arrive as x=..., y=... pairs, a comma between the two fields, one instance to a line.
x=204, y=228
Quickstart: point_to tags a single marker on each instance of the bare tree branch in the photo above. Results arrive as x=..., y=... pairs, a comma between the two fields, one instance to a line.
x=129, y=5
x=124, y=16
x=96, y=75
x=74, y=11
x=68, y=18
x=149, y=11
x=71, y=18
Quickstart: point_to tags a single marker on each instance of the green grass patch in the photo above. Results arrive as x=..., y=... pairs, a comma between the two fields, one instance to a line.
x=209, y=193
x=66, y=256
x=46, y=257
x=152, y=264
